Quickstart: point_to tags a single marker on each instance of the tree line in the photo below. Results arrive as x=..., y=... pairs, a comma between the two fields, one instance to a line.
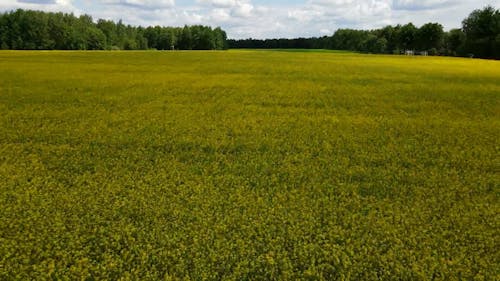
x=36, y=30
x=478, y=37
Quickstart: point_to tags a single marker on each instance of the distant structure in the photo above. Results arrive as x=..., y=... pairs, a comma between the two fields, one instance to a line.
x=172, y=47
x=416, y=53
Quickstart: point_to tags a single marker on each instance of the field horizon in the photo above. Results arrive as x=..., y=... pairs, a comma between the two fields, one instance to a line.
x=248, y=165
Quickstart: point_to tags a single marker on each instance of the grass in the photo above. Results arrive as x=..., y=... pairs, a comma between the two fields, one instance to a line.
x=295, y=50
x=248, y=165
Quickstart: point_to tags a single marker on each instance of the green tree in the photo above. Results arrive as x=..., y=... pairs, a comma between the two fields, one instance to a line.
x=58, y=30
x=430, y=36
x=108, y=28
x=152, y=34
x=4, y=33
x=391, y=34
x=220, y=38
x=96, y=40
x=205, y=39
x=185, y=38
x=407, y=36
x=165, y=41
x=481, y=28
x=22, y=29
x=349, y=39
x=455, y=42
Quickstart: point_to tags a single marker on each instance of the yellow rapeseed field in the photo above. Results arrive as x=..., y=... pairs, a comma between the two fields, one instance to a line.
x=248, y=165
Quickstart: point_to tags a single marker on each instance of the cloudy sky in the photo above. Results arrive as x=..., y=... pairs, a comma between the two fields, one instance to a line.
x=266, y=19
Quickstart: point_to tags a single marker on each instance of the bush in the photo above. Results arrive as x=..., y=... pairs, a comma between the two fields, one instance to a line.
x=433, y=52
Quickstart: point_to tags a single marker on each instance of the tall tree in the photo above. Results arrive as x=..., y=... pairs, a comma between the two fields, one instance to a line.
x=482, y=30
x=185, y=38
x=455, y=42
x=391, y=34
x=22, y=29
x=407, y=36
x=430, y=36
x=4, y=33
x=220, y=38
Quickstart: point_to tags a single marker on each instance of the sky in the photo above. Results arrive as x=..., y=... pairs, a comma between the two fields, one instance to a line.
x=266, y=19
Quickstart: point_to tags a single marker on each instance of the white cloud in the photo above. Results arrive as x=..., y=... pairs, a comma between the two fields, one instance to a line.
x=304, y=15
x=220, y=3
x=243, y=10
x=143, y=4
x=325, y=31
x=246, y=18
x=45, y=5
x=221, y=15
x=235, y=8
x=422, y=4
